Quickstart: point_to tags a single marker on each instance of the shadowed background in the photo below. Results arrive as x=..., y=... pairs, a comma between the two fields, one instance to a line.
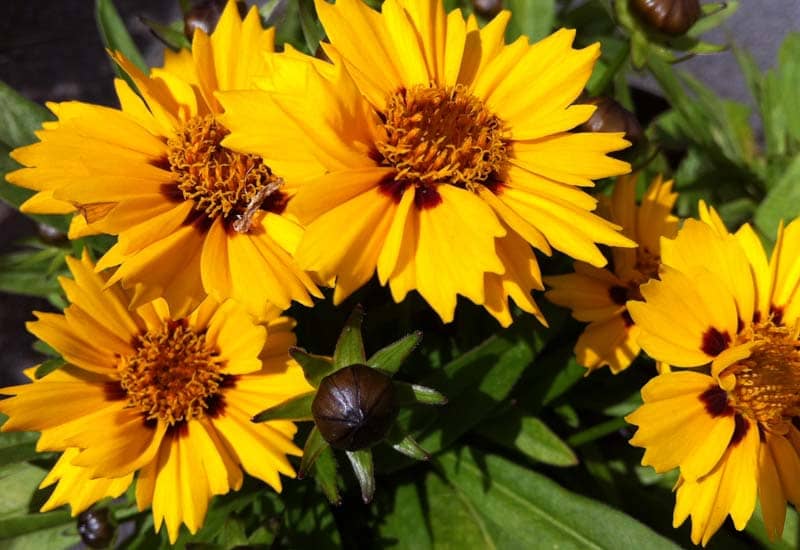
x=51, y=51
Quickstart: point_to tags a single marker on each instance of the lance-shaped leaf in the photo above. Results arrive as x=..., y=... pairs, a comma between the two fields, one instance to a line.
x=350, y=346
x=296, y=408
x=315, y=444
x=326, y=476
x=116, y=36
x=411, y=394
x=315, y=367
x=365, y=472
x=390, y=358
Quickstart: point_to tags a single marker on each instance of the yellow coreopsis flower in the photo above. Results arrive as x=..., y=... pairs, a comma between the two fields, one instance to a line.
x=433, y=153
x=598, y=296
x=192, y=216
x=732, y=430
x=169, y=397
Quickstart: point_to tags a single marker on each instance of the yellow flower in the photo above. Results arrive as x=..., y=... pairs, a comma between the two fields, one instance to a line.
x=166, y=396
x=732, y=427
x=192, y=217
x=433, y=153
x=598, y=296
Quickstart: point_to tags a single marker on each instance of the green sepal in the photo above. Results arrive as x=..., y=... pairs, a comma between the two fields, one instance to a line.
x=49, y=366
x=365, y=472
x=714, y=15
x=315, y=444
x=412, y=394
x=326, y=476
x=390, y=358
x=296, y=408
x=350, y=346
x=639, y=50
x=315, y=367
x=408, y=446
x=172, y=36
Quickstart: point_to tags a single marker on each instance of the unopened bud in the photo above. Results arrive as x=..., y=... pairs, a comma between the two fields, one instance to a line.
x=610, y=116
x=673, y=17
x=487, y=8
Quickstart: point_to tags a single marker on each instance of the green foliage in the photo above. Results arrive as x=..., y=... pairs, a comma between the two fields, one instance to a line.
x=533, y=18
x=116, y=37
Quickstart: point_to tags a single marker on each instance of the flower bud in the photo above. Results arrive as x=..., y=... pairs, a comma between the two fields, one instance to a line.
x=673, y=17
x=487, y=8
x=354, y=407
x=50, y=235
x=95, y=528
x=610, y=116
x=204, y=16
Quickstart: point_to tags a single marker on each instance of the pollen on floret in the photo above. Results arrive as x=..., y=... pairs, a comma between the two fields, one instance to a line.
x=173, y=375
x=432, y=136
x=220, y=182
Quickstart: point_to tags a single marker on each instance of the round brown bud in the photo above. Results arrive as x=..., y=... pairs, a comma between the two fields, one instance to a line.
x=50, y=235
x=354, y=407
x=487, y=8
x=610, y=116
x=205, y=15
x=673, y=17
x=95, y=528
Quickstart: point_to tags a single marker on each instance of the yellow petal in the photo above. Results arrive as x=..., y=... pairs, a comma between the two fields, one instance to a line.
x=609, y=342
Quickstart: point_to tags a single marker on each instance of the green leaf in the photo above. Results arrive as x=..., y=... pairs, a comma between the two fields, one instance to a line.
x=450, y=520
x=781, y=203
x=791, y=530
x=533, y=18
x=21, y=526
x=54, y=531
x=365, y=472
x=788, y=83
x=390, y=358
x=411, y=394
x=315, y=444
x=520, y=506
x=116, y=37
x=475, y=384
x=402, y=526
x=232, y=533
x=272, y=10
x=350, y=346
x=313, y=32
x=19, y=481
x=529, y=436
x=296, y=408
x=171, y=35
x=219, y=514
x=17, y=447
x=315, y=367
x=308, y=520
x=19, y=118
x=597, y=431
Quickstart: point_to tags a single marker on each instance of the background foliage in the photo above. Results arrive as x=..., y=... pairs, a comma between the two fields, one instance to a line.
x=527, y=449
